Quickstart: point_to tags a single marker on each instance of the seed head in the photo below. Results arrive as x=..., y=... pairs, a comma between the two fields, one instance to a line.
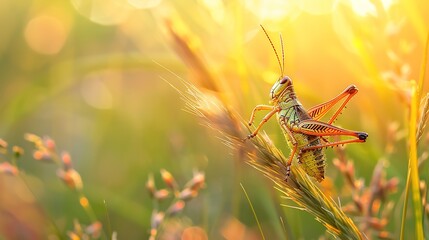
x=169, y=179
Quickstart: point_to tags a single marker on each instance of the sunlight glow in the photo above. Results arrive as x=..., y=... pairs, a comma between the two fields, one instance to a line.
x=142, y=4
x=216, y=8
x=387, y=3
x=363, y=7
x=273, y=10
x=105, y=12
x=318, y=7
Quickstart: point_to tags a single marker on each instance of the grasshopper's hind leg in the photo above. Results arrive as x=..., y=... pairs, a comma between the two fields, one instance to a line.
x=318, y=111
x=321, y=129
x=294, y=144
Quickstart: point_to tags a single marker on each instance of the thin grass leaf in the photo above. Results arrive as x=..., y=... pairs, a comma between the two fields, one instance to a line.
x=109, y=224
x=413, y=173
x=253, y=211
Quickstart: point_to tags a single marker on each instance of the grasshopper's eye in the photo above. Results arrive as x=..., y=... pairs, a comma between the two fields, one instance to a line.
x=284, y=80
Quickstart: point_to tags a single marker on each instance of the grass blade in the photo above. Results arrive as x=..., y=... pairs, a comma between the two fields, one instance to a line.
x=253, y=211
x=413, y=173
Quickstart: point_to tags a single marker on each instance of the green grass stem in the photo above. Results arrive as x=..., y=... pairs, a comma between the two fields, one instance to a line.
x=253, y=211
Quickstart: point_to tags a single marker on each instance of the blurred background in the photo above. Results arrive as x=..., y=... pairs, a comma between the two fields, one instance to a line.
x=91, y=75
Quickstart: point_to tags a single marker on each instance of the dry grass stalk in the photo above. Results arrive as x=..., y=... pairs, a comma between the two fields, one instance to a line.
x=181, y=42
x=423, y=117
x=261, y=154
x=368, y=200
x=178, y=202
x=46, y=150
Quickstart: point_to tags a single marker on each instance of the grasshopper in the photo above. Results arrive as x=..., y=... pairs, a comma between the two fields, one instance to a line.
x=305, y=134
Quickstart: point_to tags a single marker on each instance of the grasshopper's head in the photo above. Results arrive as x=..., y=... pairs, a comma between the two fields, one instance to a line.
x=280, y=88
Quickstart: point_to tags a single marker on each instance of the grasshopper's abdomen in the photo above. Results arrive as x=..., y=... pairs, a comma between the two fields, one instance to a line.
x=312, y=161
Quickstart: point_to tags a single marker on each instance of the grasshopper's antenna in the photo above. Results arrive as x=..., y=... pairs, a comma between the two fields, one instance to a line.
x=283, y=55
x=275, y=51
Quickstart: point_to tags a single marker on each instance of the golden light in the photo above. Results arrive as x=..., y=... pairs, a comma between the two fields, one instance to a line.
x=317, y=7
x=273, y=10
x=142, y=4
x=363, y=7
x=105, y=12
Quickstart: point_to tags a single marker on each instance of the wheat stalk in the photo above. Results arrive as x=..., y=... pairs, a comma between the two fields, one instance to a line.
x=261, y=154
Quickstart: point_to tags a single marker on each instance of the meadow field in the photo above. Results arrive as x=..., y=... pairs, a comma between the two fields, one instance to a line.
x=124, y=119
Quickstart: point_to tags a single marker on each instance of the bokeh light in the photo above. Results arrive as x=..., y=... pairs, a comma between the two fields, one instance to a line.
x=46, y=34
x=105, y=12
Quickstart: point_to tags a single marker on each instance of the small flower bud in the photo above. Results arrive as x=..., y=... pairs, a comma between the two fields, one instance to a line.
x=84, y=202
x=36, y=140
x=187, y=194
x=71, y=178
x=49, y=143
x=17, y=151
x=377, y=223
x=3, y=146
x=94, y=230
x=422, y=186
x=197, y=182
x=384, y=235
x=77, y=227
x=150, y=186
x=168, y=179
x=176, y=207
x=73, y=236
x=156, y=219
x=6, y=167
x=161, y=194
x=41, y=155
x=66, y=159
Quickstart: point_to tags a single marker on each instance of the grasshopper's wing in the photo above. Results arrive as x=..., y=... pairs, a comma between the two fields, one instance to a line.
x=318, y=111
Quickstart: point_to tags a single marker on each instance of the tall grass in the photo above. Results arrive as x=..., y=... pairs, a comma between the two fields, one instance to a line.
x=415, y=131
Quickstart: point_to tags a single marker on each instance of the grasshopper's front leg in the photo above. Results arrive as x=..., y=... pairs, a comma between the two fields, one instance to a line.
x=258, y=108
x=273, y=111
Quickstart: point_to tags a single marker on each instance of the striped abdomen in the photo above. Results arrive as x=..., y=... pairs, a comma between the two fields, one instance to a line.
x=312, y=161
